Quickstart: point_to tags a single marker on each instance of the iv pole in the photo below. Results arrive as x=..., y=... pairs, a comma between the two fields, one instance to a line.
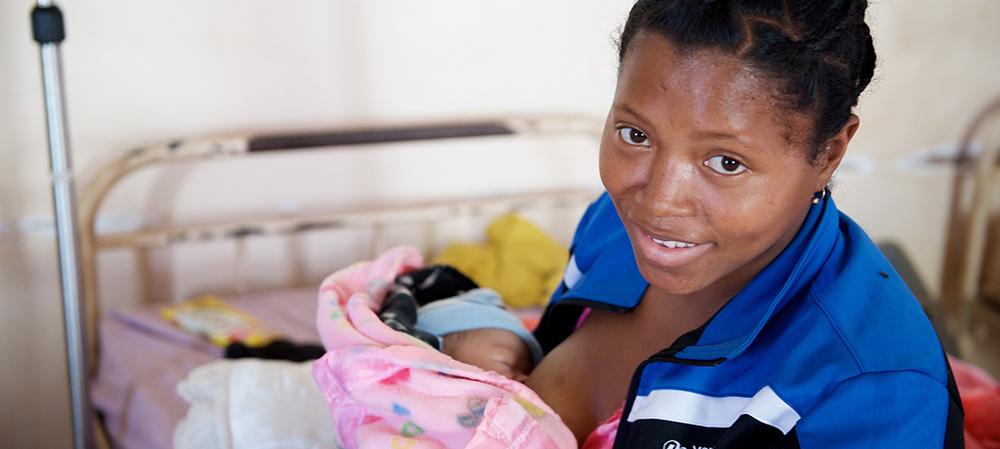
x=48, y=31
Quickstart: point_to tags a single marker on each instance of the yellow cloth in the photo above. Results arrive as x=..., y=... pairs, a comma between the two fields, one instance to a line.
x=518, y=260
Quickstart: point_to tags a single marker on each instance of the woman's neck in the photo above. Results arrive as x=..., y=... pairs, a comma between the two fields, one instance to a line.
x=684, y=313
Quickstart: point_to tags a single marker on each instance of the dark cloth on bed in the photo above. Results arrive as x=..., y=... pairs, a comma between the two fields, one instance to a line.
x=276, y=350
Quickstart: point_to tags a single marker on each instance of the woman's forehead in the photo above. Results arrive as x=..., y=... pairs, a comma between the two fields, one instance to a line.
x=713, y=89
x=654, y=63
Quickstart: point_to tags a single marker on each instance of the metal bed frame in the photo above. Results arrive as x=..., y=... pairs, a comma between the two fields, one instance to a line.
x=375, y=219
x=973, y=321
x=78, y=243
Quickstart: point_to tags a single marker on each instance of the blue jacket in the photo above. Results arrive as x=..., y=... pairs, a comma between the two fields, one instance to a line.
x=826, y=347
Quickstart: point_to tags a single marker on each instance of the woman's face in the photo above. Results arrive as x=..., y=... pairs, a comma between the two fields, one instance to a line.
x=707, y=172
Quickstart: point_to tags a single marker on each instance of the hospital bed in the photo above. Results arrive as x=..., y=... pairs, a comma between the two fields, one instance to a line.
x=137, y=358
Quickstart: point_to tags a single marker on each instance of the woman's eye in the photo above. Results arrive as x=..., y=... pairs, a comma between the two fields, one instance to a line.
x=725, y=165
x=633, y=136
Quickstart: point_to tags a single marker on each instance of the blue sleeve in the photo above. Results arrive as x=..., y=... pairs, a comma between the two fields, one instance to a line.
x=883, y=410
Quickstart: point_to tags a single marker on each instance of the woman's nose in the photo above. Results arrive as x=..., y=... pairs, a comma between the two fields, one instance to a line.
x=669, y=189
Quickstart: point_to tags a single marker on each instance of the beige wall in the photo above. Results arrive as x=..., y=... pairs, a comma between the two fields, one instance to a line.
x=139, y=72
x=940, y=63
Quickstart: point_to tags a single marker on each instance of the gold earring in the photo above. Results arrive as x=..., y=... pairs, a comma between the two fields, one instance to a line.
x=819, y=196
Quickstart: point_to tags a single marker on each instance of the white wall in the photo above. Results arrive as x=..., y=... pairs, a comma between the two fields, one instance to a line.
x=939, y=64
x=141, y=72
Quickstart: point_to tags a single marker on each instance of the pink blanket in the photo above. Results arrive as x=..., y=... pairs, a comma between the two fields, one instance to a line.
x=386, y=389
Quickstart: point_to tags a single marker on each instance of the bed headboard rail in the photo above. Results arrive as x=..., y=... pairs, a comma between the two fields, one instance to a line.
x=362, y=137
x=428, y=214
x=95, y=191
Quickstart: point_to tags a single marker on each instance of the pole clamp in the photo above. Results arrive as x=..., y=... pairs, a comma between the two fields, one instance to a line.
x=47, y=24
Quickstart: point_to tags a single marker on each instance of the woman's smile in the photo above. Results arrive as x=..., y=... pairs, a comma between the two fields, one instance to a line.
x=667, y=251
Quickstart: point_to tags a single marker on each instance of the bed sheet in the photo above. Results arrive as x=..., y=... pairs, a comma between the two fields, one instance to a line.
x=143, y=358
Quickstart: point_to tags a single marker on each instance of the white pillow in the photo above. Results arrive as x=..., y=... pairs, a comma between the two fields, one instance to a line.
x=253, y=403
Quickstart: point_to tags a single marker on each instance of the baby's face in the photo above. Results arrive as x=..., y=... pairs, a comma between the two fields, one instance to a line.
x=490, y=349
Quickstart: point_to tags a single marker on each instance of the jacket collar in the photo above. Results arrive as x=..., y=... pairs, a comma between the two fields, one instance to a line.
x=738, y=323
x=608, y=276
x=611, y=280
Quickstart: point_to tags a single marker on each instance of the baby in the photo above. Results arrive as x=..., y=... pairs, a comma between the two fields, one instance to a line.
x=448, y=311
x=385, y=389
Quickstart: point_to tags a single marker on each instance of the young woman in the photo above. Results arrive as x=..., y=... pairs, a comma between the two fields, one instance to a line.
x=715, y=296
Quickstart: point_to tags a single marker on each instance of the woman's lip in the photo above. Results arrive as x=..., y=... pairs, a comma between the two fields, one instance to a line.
x=668, y=252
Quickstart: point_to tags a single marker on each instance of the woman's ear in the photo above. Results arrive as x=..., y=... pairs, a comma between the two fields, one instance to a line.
x=836, y=147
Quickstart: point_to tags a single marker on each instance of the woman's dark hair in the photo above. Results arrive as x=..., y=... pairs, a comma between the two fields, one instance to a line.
x=820, y=52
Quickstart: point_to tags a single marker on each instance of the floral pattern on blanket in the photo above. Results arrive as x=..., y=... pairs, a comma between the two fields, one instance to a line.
x=387, y=389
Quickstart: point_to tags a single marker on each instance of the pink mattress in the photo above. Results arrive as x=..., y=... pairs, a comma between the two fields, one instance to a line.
x=143, y=358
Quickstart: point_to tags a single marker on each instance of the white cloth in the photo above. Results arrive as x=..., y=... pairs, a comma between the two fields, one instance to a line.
x=251, y=404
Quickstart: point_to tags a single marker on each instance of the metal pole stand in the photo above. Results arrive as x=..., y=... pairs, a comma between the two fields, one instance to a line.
x=48, y=30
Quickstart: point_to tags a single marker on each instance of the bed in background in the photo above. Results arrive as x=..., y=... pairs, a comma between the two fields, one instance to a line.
x=137, y=358
x=970, y=283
